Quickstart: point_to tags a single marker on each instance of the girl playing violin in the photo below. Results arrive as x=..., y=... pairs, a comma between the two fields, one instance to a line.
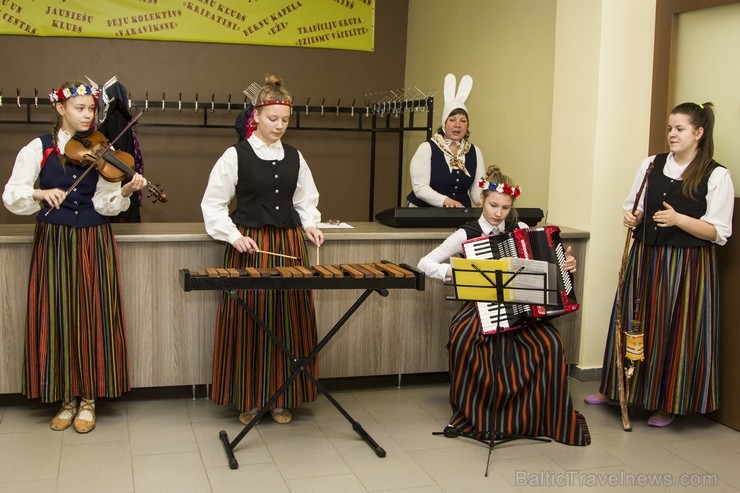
x=75, y=331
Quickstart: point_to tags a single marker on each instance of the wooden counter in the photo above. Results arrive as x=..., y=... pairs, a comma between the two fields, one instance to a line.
x=170, y=332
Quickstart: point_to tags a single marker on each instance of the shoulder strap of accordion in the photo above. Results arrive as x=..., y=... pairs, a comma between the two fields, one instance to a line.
x=472, y=229
x=511, y=223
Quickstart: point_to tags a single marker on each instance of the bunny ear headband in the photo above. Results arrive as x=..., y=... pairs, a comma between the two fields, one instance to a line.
x=455, y=100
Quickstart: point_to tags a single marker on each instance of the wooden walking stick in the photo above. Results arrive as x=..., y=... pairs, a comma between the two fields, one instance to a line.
x=624, y=374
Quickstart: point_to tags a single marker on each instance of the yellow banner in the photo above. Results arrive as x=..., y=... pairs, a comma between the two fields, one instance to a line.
x=337, y=24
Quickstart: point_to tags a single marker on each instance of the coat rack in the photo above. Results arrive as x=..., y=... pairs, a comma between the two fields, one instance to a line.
x=393, y=111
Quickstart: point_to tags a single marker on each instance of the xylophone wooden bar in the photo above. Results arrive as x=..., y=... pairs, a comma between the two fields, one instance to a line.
x=353, y=271
x=324, y=272
x=372, y=270
x=393, y=270
x=369, y=275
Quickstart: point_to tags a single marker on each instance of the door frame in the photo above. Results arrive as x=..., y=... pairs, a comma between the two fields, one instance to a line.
x=664, y=63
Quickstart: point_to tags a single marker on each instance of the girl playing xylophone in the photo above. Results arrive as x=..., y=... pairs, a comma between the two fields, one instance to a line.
x=75, y=332
x=276, y=203
x=529, y=385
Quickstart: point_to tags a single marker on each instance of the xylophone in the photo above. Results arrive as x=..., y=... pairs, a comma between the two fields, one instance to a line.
x=375, y=275
x=372, y=277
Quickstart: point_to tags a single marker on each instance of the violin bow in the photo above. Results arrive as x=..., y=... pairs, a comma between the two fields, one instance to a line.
x=619, y=347
x=94, y=164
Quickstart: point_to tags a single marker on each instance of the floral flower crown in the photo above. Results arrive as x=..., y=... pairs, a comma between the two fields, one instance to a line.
x=69, y=92
x=500, y=187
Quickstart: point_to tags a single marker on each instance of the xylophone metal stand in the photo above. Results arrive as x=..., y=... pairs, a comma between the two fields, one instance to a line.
x=492, y=438
x=300, y=364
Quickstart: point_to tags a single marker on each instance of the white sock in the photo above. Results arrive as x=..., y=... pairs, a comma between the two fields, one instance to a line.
x=84, y=414
x=66, y=413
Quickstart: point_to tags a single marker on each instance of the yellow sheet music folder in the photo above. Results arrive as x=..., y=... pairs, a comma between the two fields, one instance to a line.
x=476, y=280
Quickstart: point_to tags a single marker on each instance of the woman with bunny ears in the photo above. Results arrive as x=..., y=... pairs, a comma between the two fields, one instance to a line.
x=444, y=169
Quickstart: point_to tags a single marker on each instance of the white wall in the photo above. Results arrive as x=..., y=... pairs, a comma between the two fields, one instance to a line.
x=561, y=101
x=601, y=114
x=507, y=47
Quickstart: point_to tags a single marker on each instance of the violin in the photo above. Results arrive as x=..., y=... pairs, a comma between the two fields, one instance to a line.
x=93, y=148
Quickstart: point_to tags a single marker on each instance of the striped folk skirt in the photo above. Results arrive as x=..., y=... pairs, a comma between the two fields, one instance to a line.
x=248, y=367
x=678, y=292
x=522, y=371
x=75, y=334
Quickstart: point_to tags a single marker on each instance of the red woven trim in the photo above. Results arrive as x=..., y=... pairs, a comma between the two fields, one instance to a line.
x=47, y=153
x=268, y=102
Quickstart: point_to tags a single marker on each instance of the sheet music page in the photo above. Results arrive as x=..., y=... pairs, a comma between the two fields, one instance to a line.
x=334, y=225
x=475, y=280
x=536, y=284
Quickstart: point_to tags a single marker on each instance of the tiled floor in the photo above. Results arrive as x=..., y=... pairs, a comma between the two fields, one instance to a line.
x=162, y=441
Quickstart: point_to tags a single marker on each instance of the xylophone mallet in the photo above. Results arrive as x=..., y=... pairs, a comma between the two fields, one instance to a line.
x=278, y=255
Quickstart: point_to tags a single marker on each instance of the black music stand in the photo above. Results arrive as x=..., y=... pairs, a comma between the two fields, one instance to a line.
x=498, y=281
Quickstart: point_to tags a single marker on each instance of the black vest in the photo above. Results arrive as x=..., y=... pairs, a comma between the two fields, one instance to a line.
x=77, y=209
x=473, y=230
x=661, y=188
x=453, y=184
x=265, y=188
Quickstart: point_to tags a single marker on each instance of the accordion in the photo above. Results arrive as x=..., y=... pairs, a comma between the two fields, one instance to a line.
x=541, y=244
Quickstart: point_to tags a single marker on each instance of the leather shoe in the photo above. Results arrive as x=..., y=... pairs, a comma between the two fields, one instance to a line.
x=659, y=419
x=64, y=417
x=282, y=417
x=597, y=400
x=451, y=431
x=248, y=416
x=85, y=423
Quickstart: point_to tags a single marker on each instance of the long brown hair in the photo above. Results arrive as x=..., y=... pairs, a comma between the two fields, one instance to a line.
x=700, y=116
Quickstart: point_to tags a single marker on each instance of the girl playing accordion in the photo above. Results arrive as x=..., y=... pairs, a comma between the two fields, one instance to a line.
x=517, y=378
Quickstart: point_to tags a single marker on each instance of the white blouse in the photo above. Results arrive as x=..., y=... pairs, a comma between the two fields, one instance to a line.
x=436, y=264
x=221, y=189
x=720, y=195
x=420, y=172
